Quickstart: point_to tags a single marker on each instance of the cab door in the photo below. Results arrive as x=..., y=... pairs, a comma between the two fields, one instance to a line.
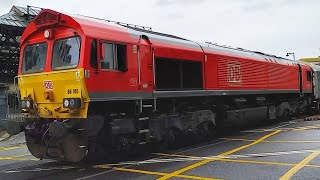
x=145, y=67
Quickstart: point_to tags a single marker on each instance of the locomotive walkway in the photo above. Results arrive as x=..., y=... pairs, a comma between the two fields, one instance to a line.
x=289, y=150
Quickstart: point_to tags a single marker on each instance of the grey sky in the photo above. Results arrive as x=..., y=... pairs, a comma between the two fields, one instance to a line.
x=270, y=26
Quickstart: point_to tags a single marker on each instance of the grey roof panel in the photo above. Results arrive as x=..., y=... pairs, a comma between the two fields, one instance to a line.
x=34, y=12
x=24, y=11
x=17, y=16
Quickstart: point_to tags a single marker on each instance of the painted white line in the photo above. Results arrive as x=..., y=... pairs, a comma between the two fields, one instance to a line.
x=98, y=174
x=274, y=153
x=280, y=127
x=130, y=165
x=37, y=169
x=188, y=150
x=153, y=161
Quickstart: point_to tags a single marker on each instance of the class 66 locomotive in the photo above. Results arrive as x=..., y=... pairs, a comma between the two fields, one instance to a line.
x=90, y=85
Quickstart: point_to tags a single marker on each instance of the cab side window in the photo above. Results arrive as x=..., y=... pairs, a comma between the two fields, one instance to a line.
x=93, y=54
x=309, y=76
x=114, y=57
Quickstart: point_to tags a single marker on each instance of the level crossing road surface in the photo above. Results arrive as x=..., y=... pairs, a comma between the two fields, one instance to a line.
x=287, y=150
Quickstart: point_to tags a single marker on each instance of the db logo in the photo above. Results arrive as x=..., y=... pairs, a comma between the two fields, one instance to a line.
x=48, y=85
x=234, y=73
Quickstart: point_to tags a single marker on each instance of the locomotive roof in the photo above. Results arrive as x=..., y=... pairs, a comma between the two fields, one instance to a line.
x=89, y=24
x=137, y=31
x=314, y=66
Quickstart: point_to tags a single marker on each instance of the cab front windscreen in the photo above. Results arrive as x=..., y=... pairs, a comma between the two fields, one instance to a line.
x=34, y=58
x=66, y=53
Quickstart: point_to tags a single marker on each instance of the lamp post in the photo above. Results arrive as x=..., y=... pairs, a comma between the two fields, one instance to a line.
x=294, y=57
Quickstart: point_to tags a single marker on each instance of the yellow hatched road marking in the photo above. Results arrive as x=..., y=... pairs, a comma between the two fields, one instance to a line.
x=17, y=157
x=271, y=141
x=21, y=155
x=203, y=162
x=293, y=141
x=237, y=139
x=153, y=173
x=175, y=155
x=11, y=148
x=306, y=128
x=297, y=167
x=251, y=144
x=238, y=160
x=302, y=128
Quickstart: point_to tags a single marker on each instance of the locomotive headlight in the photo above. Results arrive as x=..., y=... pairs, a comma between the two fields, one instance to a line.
x=46, y=34
x=23, y=104
x=65, y=103
x=72, y=103
x=27, y=104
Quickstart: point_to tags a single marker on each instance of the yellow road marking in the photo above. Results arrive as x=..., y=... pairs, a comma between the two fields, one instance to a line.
x=175, y=155
x=257, y=131
x=306, y=128
x=302, y=128
x=203, y=162
x=238, y=160
x=297, y=167
x=11, y=148
x=237, y=139
x=251, y=144
x=271, y=141
x=17, y=158
x=293, y=141
x=21, y=155
x=153, y=173
x=39, y=169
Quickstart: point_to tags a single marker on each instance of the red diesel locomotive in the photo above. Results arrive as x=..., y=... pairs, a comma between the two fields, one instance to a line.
x=88, y=84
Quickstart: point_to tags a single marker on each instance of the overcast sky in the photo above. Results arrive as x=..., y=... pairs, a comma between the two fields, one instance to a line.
x=270, y=26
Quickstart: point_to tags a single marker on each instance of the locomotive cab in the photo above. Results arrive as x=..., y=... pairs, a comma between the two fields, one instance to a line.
x=51, y=80
x=51, y=75
x=68, y=62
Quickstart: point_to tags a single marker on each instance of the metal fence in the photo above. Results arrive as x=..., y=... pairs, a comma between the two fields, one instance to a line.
x=3, y=105
x=11, y=118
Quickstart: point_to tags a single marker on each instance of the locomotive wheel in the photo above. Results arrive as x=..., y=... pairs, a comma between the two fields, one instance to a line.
x=285, y=115
x=212, y=130
x=13, y=128
x=207, y=129
x=74, y=148
x=172, y=138
x=36, y=148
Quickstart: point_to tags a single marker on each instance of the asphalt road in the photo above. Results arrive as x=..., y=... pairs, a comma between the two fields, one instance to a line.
x=289, y=150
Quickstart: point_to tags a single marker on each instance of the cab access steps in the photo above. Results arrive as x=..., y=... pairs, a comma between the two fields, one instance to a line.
x=146, y=109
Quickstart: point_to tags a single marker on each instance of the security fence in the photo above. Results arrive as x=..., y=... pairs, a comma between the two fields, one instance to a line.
x=11, y=118
x=3, y=105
